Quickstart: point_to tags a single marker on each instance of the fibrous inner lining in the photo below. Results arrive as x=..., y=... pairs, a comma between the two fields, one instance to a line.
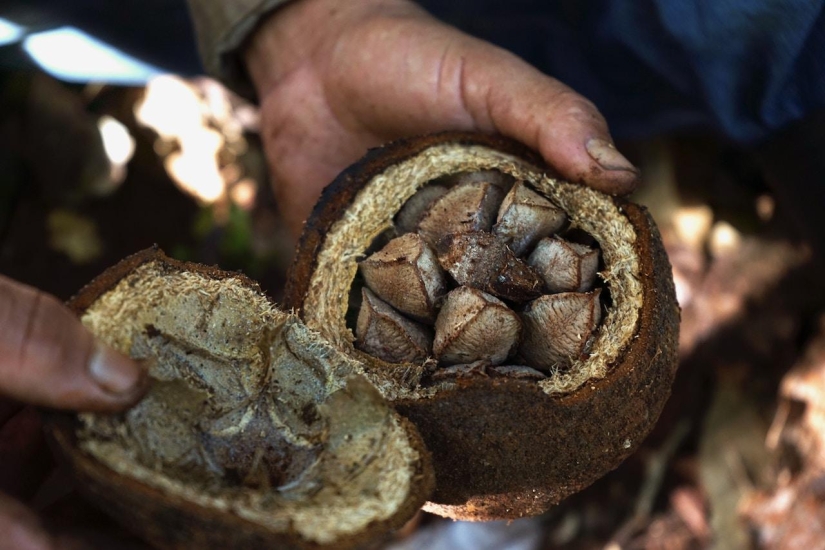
x=248, y=410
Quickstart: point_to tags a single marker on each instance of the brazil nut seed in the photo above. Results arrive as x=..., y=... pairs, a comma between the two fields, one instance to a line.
x=406, y=275
x=514, y=290
x=384, y=333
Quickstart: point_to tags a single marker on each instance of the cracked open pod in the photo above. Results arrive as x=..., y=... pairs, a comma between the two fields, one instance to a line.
x=255, y=433
x=538, y=378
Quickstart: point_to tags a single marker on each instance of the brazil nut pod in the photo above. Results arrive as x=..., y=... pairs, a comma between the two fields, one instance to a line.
x=255, y=432
x=547, y=352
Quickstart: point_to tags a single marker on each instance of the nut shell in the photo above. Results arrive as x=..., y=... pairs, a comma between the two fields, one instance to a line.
x=174, y=512
x=505, y=447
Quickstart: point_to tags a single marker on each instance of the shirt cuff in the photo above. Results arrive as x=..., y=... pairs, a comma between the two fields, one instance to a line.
x=222, y=26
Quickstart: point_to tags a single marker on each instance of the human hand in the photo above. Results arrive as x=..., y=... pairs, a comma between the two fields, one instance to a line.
x=335, y=78
x=48, y=358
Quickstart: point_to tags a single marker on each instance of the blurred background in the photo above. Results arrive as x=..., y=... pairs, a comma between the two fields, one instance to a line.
x=102, y=155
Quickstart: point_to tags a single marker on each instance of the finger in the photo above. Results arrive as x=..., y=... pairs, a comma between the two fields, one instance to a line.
x=507, y=95
x=305, y=145
x=48, y=358
x=20, y=528
x=456, y=82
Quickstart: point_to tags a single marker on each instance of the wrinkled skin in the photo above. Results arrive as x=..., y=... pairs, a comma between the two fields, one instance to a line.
x=333, y=79
x=46, y=359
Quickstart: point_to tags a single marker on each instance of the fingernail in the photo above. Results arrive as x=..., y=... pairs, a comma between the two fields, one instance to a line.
x=113, y=372
x=607, y=156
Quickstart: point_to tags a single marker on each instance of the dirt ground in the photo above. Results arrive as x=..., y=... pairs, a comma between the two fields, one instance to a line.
x=737, y=459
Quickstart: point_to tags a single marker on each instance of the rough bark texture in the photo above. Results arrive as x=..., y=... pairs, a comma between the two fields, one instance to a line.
x=505, y=449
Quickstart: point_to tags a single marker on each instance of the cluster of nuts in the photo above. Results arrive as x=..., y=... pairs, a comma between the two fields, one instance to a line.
x=479, y=274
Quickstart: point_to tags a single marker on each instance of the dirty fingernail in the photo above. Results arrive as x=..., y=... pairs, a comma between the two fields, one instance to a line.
x=607, y=156
x=113, y=372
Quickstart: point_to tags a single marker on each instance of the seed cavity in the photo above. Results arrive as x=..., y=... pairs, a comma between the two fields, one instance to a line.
x=487, y=277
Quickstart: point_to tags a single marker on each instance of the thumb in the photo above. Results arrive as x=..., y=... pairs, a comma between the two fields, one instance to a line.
x=48, y=358
x=506, y=94
x=21, y=529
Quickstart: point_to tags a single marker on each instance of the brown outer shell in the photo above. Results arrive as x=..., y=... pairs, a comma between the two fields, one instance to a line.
x=502, y=448
x=172, y=522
